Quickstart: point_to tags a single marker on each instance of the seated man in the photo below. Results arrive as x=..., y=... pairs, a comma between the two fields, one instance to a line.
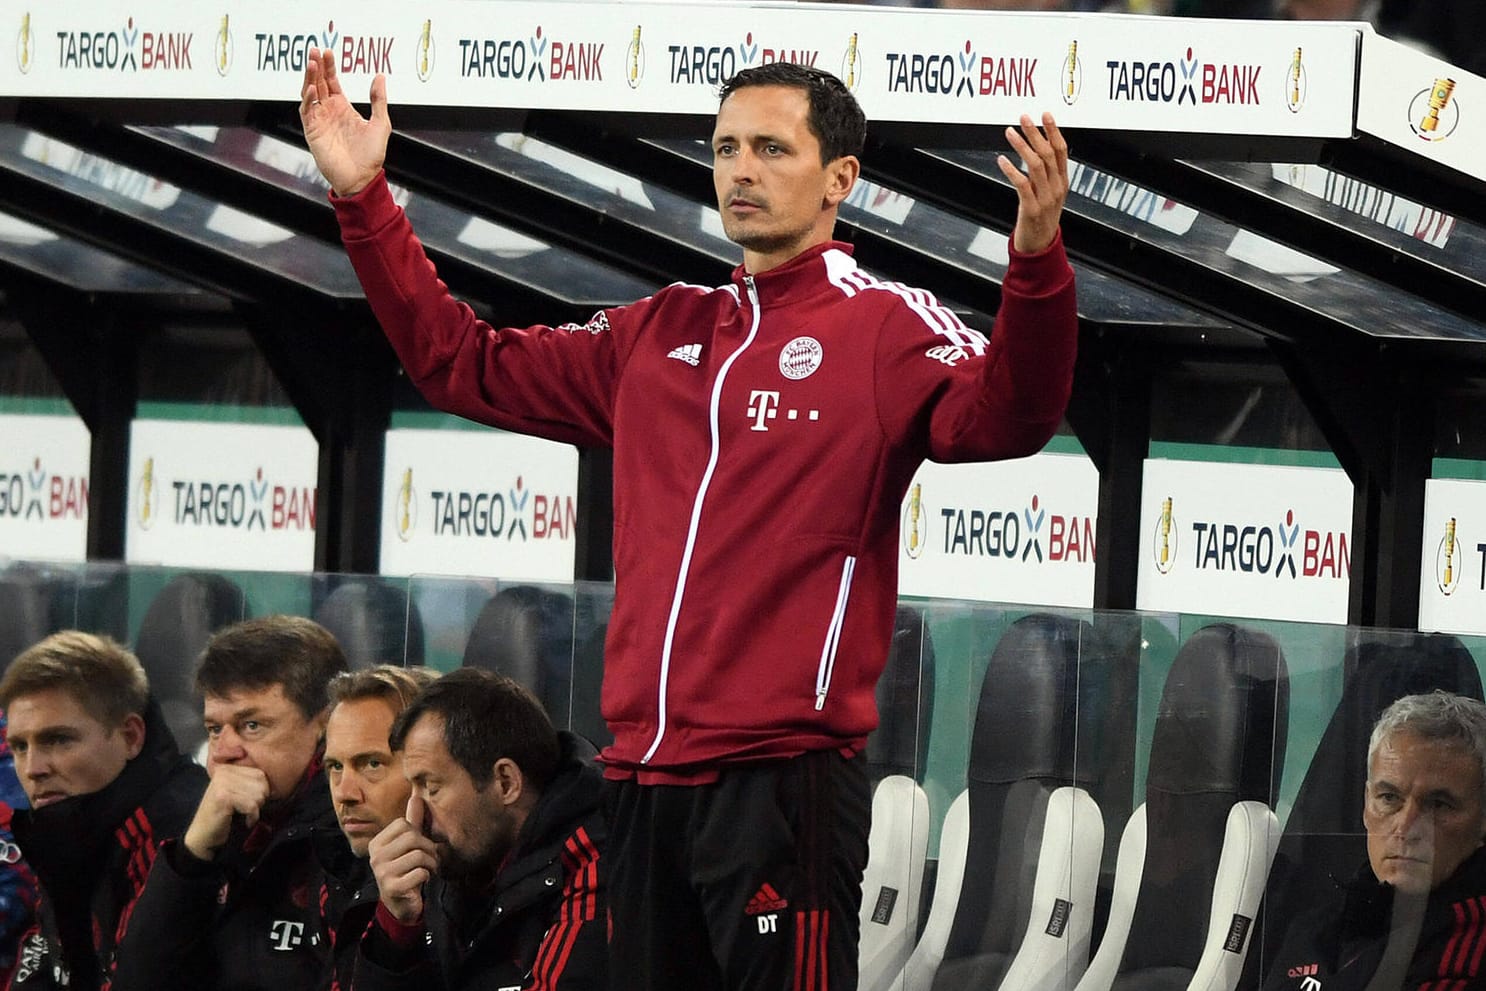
x=493, y=878
x=234, y=903
x=106, y=784
x=1413, y=917
x=368, y=790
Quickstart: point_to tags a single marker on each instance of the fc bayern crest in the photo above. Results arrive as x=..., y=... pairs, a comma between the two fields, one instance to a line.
x=800, y=358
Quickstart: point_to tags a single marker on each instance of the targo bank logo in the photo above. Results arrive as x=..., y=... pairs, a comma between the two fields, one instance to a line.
x=287, y=51
x=712, y=65
x=515, y=513
x=1029, y=533
x=126, y=48
x=1282, y=550
x=965, y=73
x=1182, y=81
x=33, y=493
x=244, y=504
x=536, y=58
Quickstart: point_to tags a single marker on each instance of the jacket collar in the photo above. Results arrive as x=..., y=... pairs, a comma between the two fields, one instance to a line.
x=806, y=274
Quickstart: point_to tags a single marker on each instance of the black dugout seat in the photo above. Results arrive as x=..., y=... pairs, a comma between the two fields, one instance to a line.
x=898, y=843
x=526, y=633
x=1027, y=831
x=175, y=628
x=1194, y=857
x=25, y=611
x=376, y=622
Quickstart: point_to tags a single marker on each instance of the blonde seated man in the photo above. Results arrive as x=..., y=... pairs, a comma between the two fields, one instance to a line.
x=106, y=784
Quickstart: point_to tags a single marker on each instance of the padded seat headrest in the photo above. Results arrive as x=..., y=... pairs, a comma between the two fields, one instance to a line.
x=1223, y=716
x=1026, y=723
x=375, y=623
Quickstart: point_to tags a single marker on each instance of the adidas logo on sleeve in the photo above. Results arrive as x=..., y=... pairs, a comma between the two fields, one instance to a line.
x=689, y=353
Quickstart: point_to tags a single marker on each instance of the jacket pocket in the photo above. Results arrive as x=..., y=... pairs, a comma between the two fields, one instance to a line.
x=833, y=635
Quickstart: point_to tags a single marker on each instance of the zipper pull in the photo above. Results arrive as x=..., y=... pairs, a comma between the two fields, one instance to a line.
x=820, y=700
x=752, y=290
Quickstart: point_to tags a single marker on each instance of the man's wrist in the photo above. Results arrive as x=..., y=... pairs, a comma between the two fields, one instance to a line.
x=401, y=934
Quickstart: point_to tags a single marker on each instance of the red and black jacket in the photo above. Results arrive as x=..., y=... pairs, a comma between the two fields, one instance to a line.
x=541, y=926
x=249, y=919
x=92, y=854
x=765, y=433
x=1339, y=946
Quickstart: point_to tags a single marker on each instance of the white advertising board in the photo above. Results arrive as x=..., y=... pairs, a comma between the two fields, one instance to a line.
x=1255, y=541
x=43, y=487
x=974, y=67
x=221, y=495
x=485, y=503
x=1423, y=105
x=1008, y=531
x=1452, y=566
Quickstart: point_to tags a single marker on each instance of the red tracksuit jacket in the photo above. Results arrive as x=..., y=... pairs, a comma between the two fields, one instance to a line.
x=764, y=436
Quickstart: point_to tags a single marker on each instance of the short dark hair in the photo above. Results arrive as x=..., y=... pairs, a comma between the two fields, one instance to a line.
x=486, y=717
x=296, y=653
x=103, y=676
x=836, y=118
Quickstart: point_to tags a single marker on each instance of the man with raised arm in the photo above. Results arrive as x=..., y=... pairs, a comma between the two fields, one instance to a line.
x=764, y=435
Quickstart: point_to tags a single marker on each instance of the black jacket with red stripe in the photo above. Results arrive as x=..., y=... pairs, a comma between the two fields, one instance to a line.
x=248, y=920
x=348, y=899
x=92, y=854
x=542, y=926
x=1340, y=946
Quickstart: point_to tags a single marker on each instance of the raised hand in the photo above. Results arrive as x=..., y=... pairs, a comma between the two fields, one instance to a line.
x=402, y=861
x=348, y=148
x=1043, y=188
x=235, y=789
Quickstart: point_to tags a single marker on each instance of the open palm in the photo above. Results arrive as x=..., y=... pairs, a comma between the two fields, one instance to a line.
x=348, y=148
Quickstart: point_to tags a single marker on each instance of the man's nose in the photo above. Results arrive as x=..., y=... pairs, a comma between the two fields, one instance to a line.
x=347, y=790
x=227, y=747
x=1414, y=823
x=744, y=167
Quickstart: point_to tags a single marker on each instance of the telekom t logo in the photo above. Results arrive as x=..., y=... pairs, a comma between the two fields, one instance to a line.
x=286, y=935
x=762, y=405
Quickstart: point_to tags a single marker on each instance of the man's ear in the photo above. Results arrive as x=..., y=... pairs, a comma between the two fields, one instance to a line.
x=509, y=782
x=321, y=719
x=841, y=176
x=133, y=730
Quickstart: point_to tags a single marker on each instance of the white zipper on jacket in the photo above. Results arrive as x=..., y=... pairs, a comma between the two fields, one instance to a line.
x=833, y=635
x=696, y=518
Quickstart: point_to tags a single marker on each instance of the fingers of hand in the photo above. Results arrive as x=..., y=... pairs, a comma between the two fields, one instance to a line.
x=415, y=812
x=404, y=875
x=1035, y=150
x=397, y=839
x=246, y=795
x=1058, y=142
x=331, y=82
